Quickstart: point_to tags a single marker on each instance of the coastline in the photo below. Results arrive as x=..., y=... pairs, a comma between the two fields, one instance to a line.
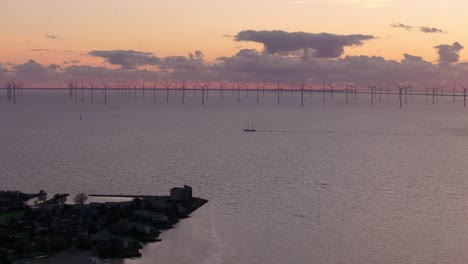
x=141, y=221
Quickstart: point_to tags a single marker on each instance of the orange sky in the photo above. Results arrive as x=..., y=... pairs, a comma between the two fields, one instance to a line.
x=57, y=31
x=179, y=26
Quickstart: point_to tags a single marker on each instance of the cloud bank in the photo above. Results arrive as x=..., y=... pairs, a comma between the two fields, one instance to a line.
x=324, y=45
x=127, y=59
x=449, y=53
x=286, y=57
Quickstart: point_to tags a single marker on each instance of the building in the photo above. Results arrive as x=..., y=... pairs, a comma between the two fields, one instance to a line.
x=181, y=193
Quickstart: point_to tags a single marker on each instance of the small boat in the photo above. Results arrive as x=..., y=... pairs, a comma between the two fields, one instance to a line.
x=249, y=128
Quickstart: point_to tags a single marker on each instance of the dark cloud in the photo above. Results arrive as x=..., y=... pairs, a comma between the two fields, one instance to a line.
x=34, y=72
x=39, y=50
x=431, y=30
x=402, y=26
x=412, y=59
x=71, y=62
x=127, y=59
x=102, y=73
x=54, y=67
x=449, y=53
x=51, y=36
x=250, y=65
x=3, y=71
x=30, y=68
x=324, y=45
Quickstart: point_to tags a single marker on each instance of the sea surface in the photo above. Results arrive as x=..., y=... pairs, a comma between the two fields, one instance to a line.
x=325, y=183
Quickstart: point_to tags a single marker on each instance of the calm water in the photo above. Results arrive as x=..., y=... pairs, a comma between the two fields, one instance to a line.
x=326, y=183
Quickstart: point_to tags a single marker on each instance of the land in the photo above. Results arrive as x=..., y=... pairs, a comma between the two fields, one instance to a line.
x=108, y=230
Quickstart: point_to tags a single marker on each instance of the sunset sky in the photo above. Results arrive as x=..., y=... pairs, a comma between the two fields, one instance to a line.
x=45, y=42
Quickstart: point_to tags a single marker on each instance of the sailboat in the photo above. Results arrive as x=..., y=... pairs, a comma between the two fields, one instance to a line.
x=249, y=128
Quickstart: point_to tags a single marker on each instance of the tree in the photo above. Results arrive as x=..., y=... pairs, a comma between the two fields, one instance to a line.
x=80, y=198
x=3, y=255
x=43, y=244
x=60, y=198
x=58, y=242
x=20, y=247
x=83, y=242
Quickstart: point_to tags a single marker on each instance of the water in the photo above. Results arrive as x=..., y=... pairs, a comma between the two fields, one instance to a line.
x=326, y=183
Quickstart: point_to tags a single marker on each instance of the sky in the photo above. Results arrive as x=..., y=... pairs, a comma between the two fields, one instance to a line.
x=47, y=43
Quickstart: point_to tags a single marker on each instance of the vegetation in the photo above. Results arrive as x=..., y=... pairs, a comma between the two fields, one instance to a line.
x=80, y=198
x=5, y=217
x=110, y=229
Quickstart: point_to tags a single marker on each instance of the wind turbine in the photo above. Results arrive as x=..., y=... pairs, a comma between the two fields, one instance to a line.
x=221, y=90
x=302, y=93
x=203, y=92
x=346, y=91
x=464, y=94
x=263, y=90
x=143, y=88
x=167, y=85
x=135, y=85
x=82, y=92
x=71, y=86
x=92, y=91
x=311, y=90
x=279, y=87
x=355, y=92
x=380, y=92
x=454, y=89
x=195, y=86
x=372, y=93
x=400, y=90
x=183, y=92
x=323, y=91
x=427, y=88
x=258, y=92
x=105, y=92
x=154, y=90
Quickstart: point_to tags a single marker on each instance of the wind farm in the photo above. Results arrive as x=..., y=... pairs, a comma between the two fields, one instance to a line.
x=319, y=131
x=263, y=91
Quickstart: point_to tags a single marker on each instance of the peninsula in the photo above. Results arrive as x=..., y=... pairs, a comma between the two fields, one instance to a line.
x=32, y=225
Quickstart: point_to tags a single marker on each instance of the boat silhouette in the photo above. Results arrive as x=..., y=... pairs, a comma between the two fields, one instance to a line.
x=249, y=128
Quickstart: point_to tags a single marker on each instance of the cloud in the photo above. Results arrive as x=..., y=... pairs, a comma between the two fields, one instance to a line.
x=324, y=45
x=50, y=36
x=30, y=68
x=71, y=62
x=412, y=59
x=402, y=26
x=54, y=67
x=449, y=53
x=431, y=30
x=369, y=3
x=249, y=65
x=127, y=59
x=3, y=71
x=39, y=50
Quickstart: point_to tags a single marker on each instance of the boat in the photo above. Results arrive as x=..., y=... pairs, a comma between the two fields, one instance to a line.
x=249, y=128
